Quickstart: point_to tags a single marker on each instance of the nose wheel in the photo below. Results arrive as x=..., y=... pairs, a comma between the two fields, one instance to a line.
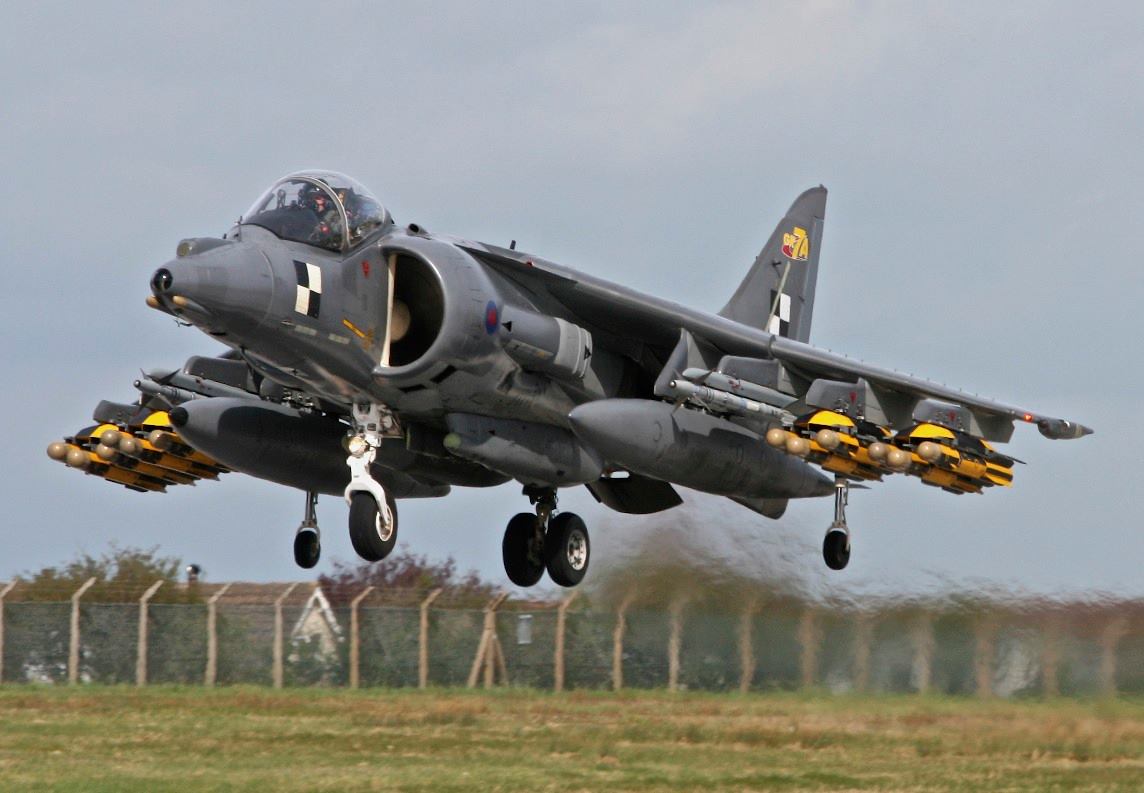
x=307, y=540
x=373, y=512
x=836, y=545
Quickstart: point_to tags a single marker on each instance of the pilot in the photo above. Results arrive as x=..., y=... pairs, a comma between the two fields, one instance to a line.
x=328, y=228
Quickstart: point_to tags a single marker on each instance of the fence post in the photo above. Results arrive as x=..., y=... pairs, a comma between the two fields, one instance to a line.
x=558, y=654
x=1109, y=641
x=141, y=651
x=746, y=648
x=3, y=594
x=489, y=647
x=863, y=638
x=984, y=631
x=355, y=638
x=1051, y=657
x=808, y=638
x=73, y=644
x=618, y=641
x=423, y=640
x=211, y=674
x=923, y=651
x=276, y=671
x=675, y=643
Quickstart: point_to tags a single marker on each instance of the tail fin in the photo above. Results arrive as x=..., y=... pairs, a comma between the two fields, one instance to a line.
x=778, y=293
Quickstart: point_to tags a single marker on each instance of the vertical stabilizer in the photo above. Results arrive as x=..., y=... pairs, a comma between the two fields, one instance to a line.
x=778, y=293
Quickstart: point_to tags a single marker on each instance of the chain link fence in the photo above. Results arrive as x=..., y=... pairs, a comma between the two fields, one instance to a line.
x=385, y=641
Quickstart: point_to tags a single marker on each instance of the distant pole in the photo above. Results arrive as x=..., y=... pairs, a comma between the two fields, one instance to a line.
x=863, y=639
x=675, y=643
x=3, y=594
x=558, y=654
x=746, y=646
x=355, y=638
x=618, y=641
x=73, y=645
x=1109, y=642
x=923, y=651
x=141, y=651
x=808, y=638
x=423, y=640
x=1051, y=657
x=985, y=635
x=277, y=671
x=211, y=674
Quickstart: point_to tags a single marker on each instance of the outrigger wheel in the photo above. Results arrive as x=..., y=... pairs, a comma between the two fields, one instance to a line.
x=836, y=545
x=307, y=540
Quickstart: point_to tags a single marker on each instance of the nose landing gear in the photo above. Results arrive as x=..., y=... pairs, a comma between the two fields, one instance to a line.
x=836, y=545
x=373, y=512
x=307, y=541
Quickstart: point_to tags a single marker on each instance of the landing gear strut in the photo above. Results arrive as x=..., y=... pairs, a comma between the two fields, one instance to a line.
x=307, y=541
x=535, y=543
x=836, y=546
x=373, y=512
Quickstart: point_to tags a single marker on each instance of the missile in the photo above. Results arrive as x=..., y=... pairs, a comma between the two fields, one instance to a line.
x=170, y=393
x=726, y=402
x=693, y=449
x=738, y=387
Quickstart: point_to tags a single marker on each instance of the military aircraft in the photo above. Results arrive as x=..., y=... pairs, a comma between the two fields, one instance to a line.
x=377, y=362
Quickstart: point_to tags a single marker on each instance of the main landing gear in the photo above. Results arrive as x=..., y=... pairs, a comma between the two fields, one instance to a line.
x=836, y=546
x=307, y=541
x=373, y=512
x=535, y=543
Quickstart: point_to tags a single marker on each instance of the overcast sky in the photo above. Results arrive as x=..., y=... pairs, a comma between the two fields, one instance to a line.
x=983, y=230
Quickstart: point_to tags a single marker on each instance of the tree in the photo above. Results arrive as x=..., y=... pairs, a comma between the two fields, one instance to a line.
x=121, y=575
x=407, y=572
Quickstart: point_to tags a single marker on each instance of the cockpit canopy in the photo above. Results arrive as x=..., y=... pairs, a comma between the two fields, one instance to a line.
x=320, y=208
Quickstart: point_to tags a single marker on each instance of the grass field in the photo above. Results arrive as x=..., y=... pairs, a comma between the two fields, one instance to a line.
x=123, y=739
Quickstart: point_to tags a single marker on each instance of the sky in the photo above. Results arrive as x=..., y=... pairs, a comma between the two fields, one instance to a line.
x=983, y=230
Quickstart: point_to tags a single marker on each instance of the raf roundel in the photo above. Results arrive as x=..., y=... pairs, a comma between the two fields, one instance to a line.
x=492, y=318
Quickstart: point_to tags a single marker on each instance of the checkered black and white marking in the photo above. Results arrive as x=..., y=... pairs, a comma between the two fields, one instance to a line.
x=309, y=299
x=779, y=324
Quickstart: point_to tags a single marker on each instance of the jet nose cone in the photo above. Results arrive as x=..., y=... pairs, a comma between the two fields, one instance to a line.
x=224, y=288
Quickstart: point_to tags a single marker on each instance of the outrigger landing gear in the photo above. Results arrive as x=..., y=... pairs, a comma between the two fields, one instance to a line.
x=307, y=541
x=534, y=543
x=373, y=512
x=836, y=546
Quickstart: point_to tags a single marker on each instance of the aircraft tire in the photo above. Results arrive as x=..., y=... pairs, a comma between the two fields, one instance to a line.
x=522, y=564
x=307, y=548
x=836, y=549
x=365, y=528
x=567, y=549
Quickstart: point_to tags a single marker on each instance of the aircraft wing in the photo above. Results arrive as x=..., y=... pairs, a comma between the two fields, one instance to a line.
x=631, y=318
x=891, y=386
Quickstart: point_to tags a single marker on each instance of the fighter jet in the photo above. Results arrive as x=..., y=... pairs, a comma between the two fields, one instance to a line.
x=377, y=362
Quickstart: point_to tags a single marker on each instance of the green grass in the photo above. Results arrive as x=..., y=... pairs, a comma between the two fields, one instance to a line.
x=163, y=738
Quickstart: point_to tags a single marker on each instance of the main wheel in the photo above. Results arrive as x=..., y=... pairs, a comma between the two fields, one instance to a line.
x=523, y=555
x=566, y=549
x=307, y=547
x=372, y=541
x=836, y=549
